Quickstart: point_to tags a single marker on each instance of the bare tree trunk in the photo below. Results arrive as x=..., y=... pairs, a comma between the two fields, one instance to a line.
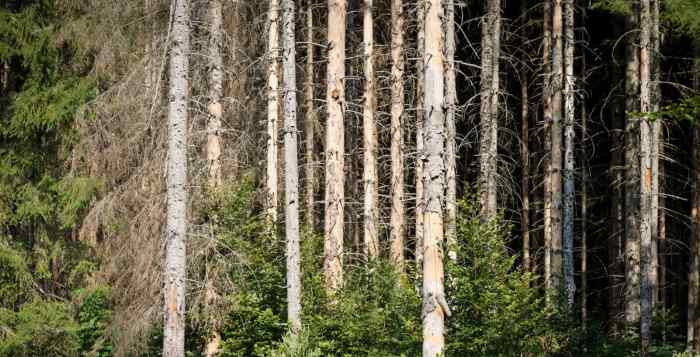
x=632, y=183
x=584, y=211
x=369, y=127
x=547, y=113
x=451, y=145
x=525, y=149
x=656, y=148
x=694, y=269
x=556, y=268
x=335, y=145
x=273, y=105
x=216, y=77
x=291, y=170
x=176, y=211
x=398, y=216
x=569, y=197
x=309, y=118
x=490, y=52
x=420, y=115
x=434, y=304
x=645, y=155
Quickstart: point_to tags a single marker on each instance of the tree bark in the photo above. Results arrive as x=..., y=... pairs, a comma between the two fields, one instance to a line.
x=176, y=210
x=398, y=216
x=547, y=113
x=451, y=137
x=632, y=183
x=488, y=154
x=369, y=126
x=569, y=197
x=420, y=115
x=273, y=106
x=525, y=149
x=291, y=170
x=656, y=148
x=694, y=269
x=555, y=164
x=335, y=145
x=309, y=119
x=434, y=304
x=215, y=108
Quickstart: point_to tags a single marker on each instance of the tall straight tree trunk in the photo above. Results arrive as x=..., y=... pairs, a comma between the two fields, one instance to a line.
x=216, y=78
x=335, y=146
x=657, y=144
x=309, y=118
x=525, y=148
x=213, y=147
x=398, y=216
x=420, y=115
x=632, y=183
x=291, y=170
x=451, y=145
x=176, y=209
x=273, y=104
x=434, y=304
x=569, y=197
x=645, y=177
x=584, y=209
x=555, y=164
x=694, y=269
x=547, y=113
x=369, y=130
x=488, y=154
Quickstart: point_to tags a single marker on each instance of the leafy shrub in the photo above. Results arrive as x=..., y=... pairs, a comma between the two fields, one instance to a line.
x=39, y=329
x=94, y=314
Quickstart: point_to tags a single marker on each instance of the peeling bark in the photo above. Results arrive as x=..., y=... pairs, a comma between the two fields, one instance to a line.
x=398, y=216
x=369, y=130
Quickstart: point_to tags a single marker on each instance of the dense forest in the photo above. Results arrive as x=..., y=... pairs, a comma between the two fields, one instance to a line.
x=309, y=178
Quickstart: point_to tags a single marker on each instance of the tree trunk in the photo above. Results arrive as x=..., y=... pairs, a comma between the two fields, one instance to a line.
x=632, y=183
x=525, y=149
x=369, y=127
x=584, y=211
x=291, y=170
x=547, y=113
x=451, y=137
x=420, y=115
x=488, y=154
x=216, y=77
x=273, y=104
x=569, y=197
x=656, y=148
x=335, y=145
x=434, y=304
x=176, y=196
x=645, y=177
x=555, y=163
x=309, y=119
x=694, y=269
x=398, y=216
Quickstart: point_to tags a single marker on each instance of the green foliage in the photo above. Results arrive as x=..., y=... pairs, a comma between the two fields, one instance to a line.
x=496, y=312
x=619, y=7
x=94, y=314
x=38, y=329
x=296, y=346
x=683, y=15
x=15, y=278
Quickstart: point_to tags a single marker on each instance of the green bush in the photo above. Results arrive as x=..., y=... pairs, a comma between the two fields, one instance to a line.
x=94, y=314
x=38, y=329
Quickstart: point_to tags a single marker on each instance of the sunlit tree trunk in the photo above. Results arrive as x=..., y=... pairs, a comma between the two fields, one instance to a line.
x=569, y=196
x=656, y=148
x=632, y=183
x=291, y=169
x=488, y=153
x=335, y=144
x=309, y=119
x=398, y=216
x=547, y=113
x=176, y=182
x=420, y=114
x=216, y=78
x=451, y=137
x=273, y=105
x=434, y=304
x=369, y=127
x=555, y=164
